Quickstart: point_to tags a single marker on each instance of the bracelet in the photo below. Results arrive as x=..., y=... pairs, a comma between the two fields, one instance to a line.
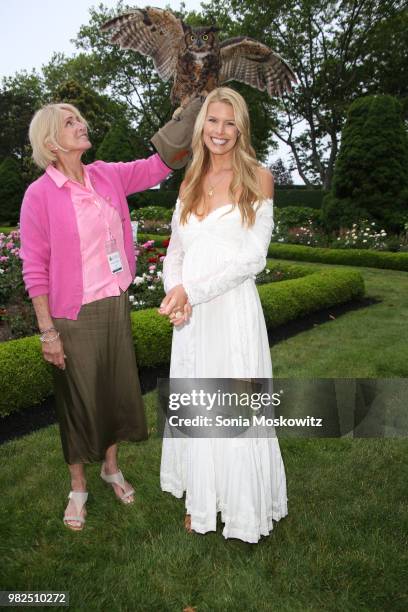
x=43, y=339
x=44, y=331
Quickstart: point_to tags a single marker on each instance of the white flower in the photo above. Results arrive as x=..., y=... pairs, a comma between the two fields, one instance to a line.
x=373, y=223
x=151, y=287
x=2, y=271
x=364, y=240
x=131, y=298
x=139, y=280
x=267, y=271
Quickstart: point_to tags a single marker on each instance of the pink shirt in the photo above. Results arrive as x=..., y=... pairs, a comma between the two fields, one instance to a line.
x=98, y=222
x=50, y=242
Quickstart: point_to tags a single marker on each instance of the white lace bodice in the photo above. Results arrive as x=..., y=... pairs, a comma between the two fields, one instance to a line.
x=212, y=256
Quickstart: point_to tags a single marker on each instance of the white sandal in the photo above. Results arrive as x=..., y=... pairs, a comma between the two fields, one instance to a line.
x=79, y=498
x=120, y=481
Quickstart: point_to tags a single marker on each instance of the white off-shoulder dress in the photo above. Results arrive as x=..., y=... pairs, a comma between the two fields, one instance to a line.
x=216, y=261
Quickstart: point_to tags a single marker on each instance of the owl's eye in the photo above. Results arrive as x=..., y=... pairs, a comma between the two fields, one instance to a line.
x=205, y=37
x=192, y=38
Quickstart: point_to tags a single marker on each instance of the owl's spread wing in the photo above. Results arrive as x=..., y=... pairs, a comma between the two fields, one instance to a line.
x=151, y=31
x=249, y=61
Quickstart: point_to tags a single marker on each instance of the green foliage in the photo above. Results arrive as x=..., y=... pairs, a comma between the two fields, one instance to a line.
x=20, y=96
x=97, y=109
x=291, y=299
x=152, y=335
x=11, y=190
x=158, y=240
x=156, y=213
x=371, y=174
x=26, y=379
x=295, y=215
x=153, y=197
x=337, y=50
x=348, y=257
x=119, y=144
x=298, y=196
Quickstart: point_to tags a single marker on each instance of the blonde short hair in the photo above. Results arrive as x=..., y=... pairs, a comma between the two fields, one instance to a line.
x=44, y=130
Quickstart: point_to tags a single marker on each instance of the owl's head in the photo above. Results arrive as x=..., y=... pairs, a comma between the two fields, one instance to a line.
x=202, y=39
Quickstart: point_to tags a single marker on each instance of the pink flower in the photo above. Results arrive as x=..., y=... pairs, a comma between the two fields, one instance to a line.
x=4, y=258
x=9, y=245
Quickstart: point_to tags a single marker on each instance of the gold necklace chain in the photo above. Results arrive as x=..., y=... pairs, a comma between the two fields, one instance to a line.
x=211, y=187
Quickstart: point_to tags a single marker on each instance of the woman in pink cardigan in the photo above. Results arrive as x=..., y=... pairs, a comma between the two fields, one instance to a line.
x=78, y=262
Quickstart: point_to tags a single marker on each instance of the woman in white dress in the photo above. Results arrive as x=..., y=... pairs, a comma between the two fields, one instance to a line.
x=221, y=230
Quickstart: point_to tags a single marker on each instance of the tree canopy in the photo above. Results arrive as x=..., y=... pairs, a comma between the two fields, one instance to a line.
x=340, y=50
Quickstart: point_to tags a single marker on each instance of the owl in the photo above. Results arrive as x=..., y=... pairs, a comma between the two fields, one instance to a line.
x=194, y=58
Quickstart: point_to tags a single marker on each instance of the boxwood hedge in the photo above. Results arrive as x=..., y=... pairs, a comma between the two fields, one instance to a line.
x=26, y=378
x=349, y=257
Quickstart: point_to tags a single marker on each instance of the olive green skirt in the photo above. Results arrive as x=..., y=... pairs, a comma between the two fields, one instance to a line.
x=98, y=396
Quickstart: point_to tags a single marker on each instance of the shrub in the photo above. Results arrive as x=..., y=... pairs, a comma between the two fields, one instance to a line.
x=153, y=219
x=153, y=197
x=348, y=257
x=26, y=378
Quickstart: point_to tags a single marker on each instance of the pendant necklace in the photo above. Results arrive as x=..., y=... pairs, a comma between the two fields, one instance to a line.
x=211, y=188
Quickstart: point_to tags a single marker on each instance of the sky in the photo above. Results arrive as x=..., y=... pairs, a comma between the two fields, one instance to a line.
x=34, y=29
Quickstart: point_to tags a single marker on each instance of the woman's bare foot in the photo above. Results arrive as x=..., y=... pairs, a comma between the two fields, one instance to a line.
x=187, y=523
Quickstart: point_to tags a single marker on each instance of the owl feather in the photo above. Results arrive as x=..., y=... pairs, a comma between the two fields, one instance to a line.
x=194, y=58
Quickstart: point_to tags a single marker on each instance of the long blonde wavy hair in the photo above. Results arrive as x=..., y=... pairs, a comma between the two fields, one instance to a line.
x=244, y=163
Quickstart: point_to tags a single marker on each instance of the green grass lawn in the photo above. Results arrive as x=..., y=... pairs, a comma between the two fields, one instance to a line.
x=342, y=547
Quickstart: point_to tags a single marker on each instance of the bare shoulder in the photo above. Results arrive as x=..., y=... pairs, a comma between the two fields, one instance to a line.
x=266, y=182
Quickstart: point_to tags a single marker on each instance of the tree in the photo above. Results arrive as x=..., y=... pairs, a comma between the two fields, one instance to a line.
x=11, y=190
x=97, y=109
x=371, y=172
x=20, y=96
x=338, y=50
x=119, y=144
x=281, y=174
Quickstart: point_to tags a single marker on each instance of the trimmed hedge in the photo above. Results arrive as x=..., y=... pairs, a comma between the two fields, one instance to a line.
x=291, y=195
x=153, y=197
x=26, y=377
x=298, y=196
x=347, y=257
x=291, y=299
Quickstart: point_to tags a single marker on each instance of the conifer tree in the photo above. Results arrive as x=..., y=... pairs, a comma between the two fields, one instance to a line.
x=371, y=173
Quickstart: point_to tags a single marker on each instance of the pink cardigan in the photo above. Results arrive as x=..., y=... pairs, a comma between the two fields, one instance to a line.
x=50, y=245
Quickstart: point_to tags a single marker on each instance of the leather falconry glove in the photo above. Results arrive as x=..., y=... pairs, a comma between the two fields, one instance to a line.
x=173, y=141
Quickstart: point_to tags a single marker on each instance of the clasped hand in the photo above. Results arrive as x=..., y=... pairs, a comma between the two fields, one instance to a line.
x=176, y=306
